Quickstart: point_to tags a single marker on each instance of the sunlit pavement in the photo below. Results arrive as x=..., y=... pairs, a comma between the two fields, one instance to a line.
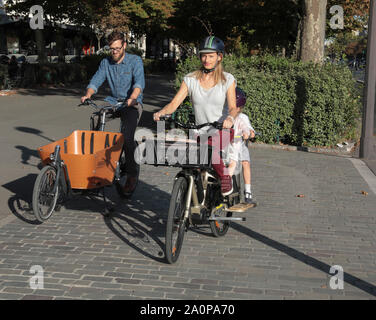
x=314, y=212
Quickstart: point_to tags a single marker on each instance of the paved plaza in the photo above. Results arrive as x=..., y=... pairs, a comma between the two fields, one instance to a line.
x=314, y=212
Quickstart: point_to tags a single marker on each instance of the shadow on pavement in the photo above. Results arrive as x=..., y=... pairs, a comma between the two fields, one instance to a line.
x=33, y=131
x=354, y=281
x=27, y=153
x=137, y=223
x=141, y=223
x=20, y=203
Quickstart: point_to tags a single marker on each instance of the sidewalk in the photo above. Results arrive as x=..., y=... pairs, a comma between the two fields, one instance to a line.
x=284, y=250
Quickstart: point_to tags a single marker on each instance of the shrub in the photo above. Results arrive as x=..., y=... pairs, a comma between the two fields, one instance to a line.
x=294, y=102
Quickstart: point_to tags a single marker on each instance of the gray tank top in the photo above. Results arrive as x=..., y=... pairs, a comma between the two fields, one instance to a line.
x=209, y=105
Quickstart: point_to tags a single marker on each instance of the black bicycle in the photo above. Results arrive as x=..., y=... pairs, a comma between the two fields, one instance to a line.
x=196, y=197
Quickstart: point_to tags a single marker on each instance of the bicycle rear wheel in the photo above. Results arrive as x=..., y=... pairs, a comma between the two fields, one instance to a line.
x=44, y=199
x=220, y=228
x=175, y=227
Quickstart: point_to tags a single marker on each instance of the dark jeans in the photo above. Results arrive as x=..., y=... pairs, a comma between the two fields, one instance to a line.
x=129, y=120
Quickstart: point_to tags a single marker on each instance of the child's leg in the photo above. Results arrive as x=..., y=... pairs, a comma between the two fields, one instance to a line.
x=247, y=181
x=246, y=172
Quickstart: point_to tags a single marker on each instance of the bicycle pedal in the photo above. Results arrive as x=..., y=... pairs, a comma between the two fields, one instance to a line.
x=226, y=218
x=240, y=207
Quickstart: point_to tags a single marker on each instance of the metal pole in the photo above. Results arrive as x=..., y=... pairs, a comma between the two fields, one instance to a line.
x=368, y=139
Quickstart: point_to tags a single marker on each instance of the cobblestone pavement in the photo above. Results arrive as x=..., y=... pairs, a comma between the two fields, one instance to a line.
x=284, y=250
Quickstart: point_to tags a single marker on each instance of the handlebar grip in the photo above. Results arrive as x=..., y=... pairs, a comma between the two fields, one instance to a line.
x=85, y=103
x=165, y=117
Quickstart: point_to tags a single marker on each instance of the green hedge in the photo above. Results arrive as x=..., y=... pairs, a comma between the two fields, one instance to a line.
x=296, y=103
x=53, y=73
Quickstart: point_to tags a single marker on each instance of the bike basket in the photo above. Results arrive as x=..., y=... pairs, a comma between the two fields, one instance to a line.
x=91, y=157
x=182, y=153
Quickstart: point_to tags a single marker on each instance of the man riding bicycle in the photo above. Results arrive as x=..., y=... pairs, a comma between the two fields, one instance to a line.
x=124, y=73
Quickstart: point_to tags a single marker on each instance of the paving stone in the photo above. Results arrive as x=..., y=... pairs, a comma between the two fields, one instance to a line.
x=284, y=249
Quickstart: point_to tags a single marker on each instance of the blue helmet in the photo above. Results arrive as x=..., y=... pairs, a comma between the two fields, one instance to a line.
x=212, y=44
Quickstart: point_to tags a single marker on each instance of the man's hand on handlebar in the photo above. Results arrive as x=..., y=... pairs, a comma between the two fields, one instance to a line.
x=131, y=102
x=84, y=98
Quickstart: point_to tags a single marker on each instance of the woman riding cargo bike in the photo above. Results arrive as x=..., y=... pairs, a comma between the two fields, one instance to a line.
x=212, y=93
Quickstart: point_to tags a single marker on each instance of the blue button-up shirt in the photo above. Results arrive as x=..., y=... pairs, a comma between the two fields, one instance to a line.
x=122, y=78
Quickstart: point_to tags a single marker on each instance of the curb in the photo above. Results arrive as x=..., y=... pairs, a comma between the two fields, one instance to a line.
x=333, y=152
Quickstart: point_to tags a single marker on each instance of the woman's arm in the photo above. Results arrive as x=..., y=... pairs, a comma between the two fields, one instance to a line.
x=231, y=102
x=175, y=102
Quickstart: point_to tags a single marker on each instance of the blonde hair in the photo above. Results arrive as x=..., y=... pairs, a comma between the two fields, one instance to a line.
x=218, y=73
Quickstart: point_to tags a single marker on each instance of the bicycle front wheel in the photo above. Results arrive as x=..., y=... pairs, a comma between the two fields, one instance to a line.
x=175, y=221
x=44, y=199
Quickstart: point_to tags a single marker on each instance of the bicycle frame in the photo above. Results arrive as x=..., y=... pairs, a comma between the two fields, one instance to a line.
x=193, y=205
x=61, y=172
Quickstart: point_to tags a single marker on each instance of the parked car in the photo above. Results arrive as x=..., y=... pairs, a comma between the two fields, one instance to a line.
x=74, y=59
x=21, y=59
x=4, y=59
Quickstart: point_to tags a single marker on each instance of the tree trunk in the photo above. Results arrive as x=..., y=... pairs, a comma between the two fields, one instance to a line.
x=39, y=39
x=313, y=31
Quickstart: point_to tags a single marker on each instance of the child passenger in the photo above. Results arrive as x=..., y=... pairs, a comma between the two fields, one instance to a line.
x=239, y=150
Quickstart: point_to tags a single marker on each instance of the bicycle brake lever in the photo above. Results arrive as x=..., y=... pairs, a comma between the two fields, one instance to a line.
x=218, y=125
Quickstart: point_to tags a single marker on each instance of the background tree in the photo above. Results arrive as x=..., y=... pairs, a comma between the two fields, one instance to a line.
x=268, y=25
x=355, y=13
x=350, y=41
x=313, y=31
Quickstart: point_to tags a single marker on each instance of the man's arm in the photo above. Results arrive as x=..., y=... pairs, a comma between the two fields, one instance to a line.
x=89, y=93
x=133, y=97
x=139, y=82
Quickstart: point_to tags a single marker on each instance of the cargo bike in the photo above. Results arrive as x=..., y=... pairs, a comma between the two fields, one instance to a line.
x=84, y=163
x=196, y=197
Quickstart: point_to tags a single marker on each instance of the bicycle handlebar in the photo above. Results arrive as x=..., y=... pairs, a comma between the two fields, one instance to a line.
x=215, y=124
x=115, y=108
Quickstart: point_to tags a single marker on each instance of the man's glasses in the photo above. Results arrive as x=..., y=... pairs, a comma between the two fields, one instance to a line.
x=116, y=49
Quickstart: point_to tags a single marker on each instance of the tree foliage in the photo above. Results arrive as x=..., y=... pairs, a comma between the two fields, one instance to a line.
x=246, y=26
x=243, y=24
x=355, y=14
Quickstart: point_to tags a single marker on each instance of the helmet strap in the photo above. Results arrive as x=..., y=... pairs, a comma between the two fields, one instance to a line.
x=204, y=70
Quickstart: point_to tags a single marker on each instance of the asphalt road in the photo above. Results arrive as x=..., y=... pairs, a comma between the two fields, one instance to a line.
x=35, y=117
